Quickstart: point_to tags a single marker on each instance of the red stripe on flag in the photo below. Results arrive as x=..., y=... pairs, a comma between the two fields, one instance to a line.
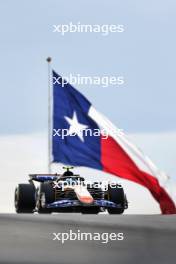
x=116, y=161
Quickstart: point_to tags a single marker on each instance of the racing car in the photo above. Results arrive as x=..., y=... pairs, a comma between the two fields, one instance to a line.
x=68, y=192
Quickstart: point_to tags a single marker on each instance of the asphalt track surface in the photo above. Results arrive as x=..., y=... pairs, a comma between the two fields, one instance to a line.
x=29, y=239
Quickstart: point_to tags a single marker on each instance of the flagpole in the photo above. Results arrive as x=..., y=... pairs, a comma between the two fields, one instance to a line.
x=49, y=59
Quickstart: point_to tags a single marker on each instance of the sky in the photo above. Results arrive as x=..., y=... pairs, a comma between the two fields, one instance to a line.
x=144, y=54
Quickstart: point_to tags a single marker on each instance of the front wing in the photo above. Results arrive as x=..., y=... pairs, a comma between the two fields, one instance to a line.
x=66, y=203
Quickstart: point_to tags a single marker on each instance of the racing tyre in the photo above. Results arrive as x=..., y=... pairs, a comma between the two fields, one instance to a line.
x=25, y=198
x=45, y=195
x=117, y=196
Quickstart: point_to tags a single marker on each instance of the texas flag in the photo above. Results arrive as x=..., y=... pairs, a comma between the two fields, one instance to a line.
x=113, y=153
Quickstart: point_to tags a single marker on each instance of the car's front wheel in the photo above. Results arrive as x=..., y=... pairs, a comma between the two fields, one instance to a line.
x=45, y=196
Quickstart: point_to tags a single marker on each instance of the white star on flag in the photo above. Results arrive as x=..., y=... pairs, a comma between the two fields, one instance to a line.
x=75, y=127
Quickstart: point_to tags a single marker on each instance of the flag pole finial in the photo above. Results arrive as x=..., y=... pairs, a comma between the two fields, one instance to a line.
x=49, y=59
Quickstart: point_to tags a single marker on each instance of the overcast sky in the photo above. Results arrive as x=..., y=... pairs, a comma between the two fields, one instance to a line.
x=144, y=54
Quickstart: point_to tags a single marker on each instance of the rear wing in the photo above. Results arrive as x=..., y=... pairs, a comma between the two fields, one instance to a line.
x=43, y=177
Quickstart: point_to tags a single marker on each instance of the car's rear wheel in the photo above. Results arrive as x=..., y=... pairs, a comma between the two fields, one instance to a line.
x=25, y=198
x=117, y=196
x=45, y=192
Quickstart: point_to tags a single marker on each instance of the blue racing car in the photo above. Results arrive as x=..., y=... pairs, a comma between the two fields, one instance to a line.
x=68, y=193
